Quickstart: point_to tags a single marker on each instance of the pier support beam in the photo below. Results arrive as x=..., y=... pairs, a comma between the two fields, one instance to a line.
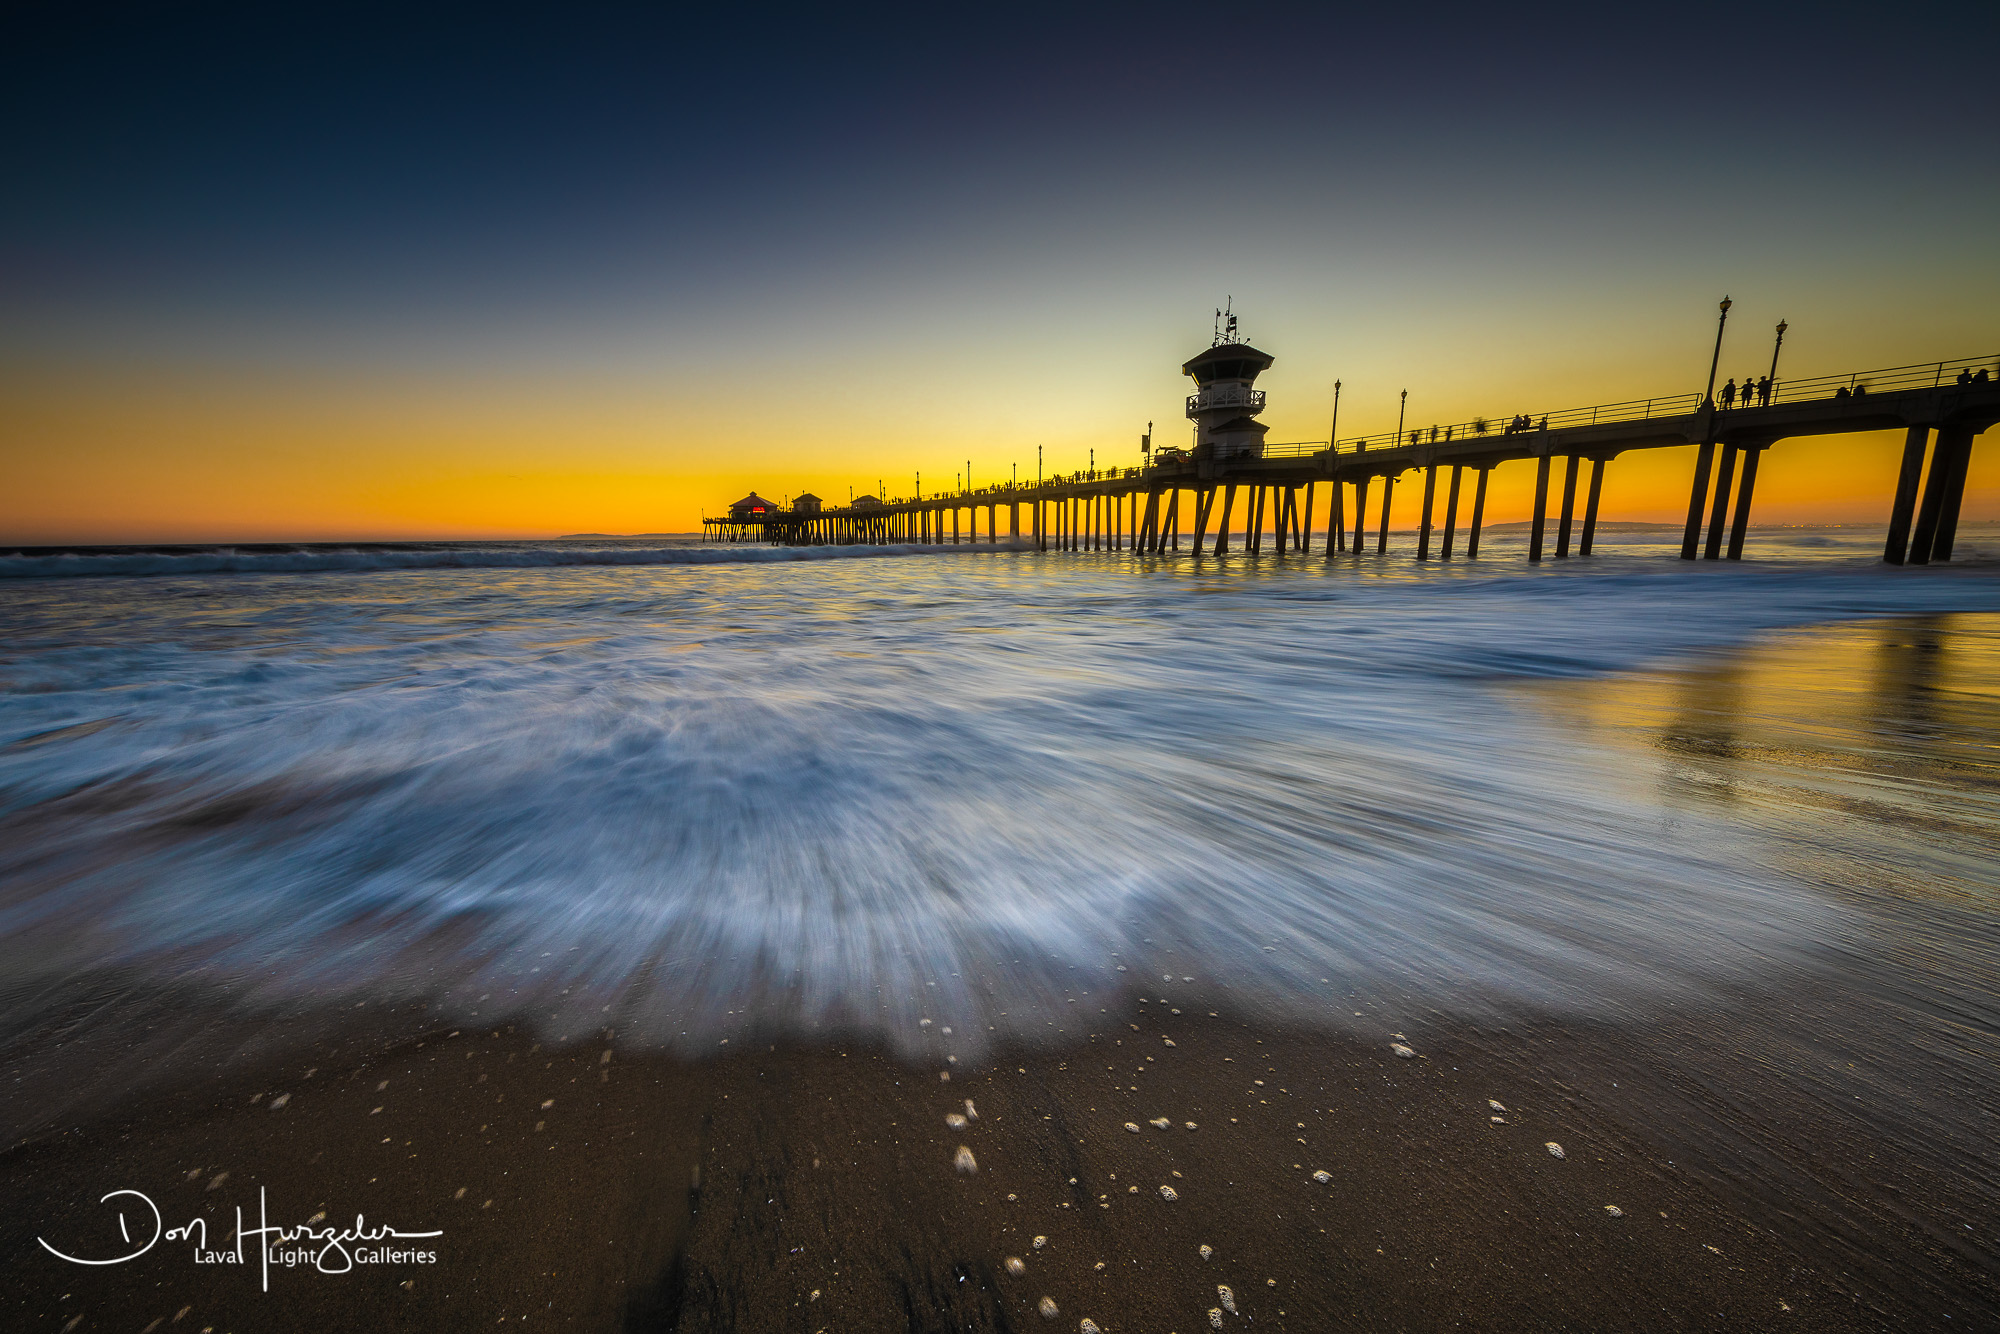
x=1704, y=460
x=1590, y=507
x=1306, y=533
x=1222, y=527
x=1451, y=511
x=1382, y=534
x=1424, y=524
x=1744, y=490
x=1567, y=520
x=1360, y=515
x=1935, y=486
x=1336, y=518
x=1960, y=438
x=1541, y=508
x=1478, y=515
x=1725, y=477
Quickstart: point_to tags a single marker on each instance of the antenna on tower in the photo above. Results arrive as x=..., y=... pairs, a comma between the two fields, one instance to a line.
x=1225, y=324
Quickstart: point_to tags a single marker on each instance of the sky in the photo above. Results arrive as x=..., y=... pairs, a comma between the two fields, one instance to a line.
x=352, y=272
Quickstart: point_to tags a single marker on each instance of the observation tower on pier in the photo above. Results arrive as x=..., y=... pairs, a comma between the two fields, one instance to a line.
x=1225, y=410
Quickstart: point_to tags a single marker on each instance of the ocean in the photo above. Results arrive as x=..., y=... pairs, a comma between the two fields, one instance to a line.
x=700, y=792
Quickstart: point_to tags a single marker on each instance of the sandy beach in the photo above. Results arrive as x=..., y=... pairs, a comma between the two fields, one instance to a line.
x=1325, y=1181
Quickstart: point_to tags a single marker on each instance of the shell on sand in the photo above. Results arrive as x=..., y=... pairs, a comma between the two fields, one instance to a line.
x=1322, y=1176
x=1555, y=1149
x=1496, y=1104
x=1207, y=1251
x=1215, y=1317
x=1088, y=1326
x=1169, y=1194
x=1041, y=1242
x=1048, y=1308
x=1228, y=1297
x=1016, y=1265
x=1132, y=1126
x=1614, y=1211
x=1405, y=1052
x=954, y=1120
x=971, y=1112
x=1159, y=1122
x=965, y=1162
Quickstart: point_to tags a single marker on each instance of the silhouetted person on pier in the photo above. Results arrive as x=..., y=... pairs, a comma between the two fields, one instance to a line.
x=1861, y=391
x=1544, y=426
x=1764, y=392
x=1842, y=392
x=1729, y=394
x=1982, y=377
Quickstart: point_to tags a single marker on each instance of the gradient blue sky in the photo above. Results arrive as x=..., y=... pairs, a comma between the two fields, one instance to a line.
x=299, y=271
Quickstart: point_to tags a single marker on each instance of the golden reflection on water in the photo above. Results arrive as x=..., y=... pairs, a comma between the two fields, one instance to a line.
x=1871, y=747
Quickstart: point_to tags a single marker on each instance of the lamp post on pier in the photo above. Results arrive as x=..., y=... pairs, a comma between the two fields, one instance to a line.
x=1708, y=398
x=1705, y=458
x=1782, y=326
x=1401, y=406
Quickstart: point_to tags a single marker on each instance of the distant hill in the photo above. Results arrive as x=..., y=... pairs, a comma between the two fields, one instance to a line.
x=620, y=537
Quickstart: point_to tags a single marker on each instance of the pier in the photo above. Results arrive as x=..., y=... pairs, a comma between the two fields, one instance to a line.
x=1233, y=490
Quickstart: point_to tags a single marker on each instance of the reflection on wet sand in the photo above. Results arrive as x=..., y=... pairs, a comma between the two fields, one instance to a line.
x=1871, y=741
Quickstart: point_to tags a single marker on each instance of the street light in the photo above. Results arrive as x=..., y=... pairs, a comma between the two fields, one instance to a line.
x=1400, y=406
x=1708, y=399
x=1782, y=326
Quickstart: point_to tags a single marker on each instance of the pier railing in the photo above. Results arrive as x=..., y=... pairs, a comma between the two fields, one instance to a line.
x=1891, y=380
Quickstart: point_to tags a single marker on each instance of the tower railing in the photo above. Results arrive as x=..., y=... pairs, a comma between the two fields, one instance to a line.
x=1226, y=396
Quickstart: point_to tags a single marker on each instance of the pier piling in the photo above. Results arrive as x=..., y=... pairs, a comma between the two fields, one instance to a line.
x=1541, y=508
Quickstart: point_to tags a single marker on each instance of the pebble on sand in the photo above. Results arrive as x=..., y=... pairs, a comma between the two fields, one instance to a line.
x=1132, y=1126
x=954, y=1120
x=1555, y=1149
x=1048, y=1308
x=1088, y=1326
x=1190, y=1125
x=1016, y=1265
x=1207, y=1251
x=965, y=1162
x=1405, y=1052
x=1228, y=1297
x=971, y=1112
x=1215, y=1317
x=1496, y=1105
x=1614, y=1211
x=280, y=1101
x=1169, y=1194
x=1158, y=1122
x=1322, y=1176
x=1041, y=1242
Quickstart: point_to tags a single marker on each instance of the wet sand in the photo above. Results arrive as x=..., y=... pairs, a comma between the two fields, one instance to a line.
x=817, y=1189
x=1813, y=1150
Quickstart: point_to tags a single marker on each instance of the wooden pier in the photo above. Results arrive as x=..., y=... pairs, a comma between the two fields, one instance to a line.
x=1269, y=491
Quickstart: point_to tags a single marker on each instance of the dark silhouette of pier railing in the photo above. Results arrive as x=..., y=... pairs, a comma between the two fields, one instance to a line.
x=1101, y=508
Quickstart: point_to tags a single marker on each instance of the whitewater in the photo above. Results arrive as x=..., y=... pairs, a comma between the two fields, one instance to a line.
x=929, y=797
